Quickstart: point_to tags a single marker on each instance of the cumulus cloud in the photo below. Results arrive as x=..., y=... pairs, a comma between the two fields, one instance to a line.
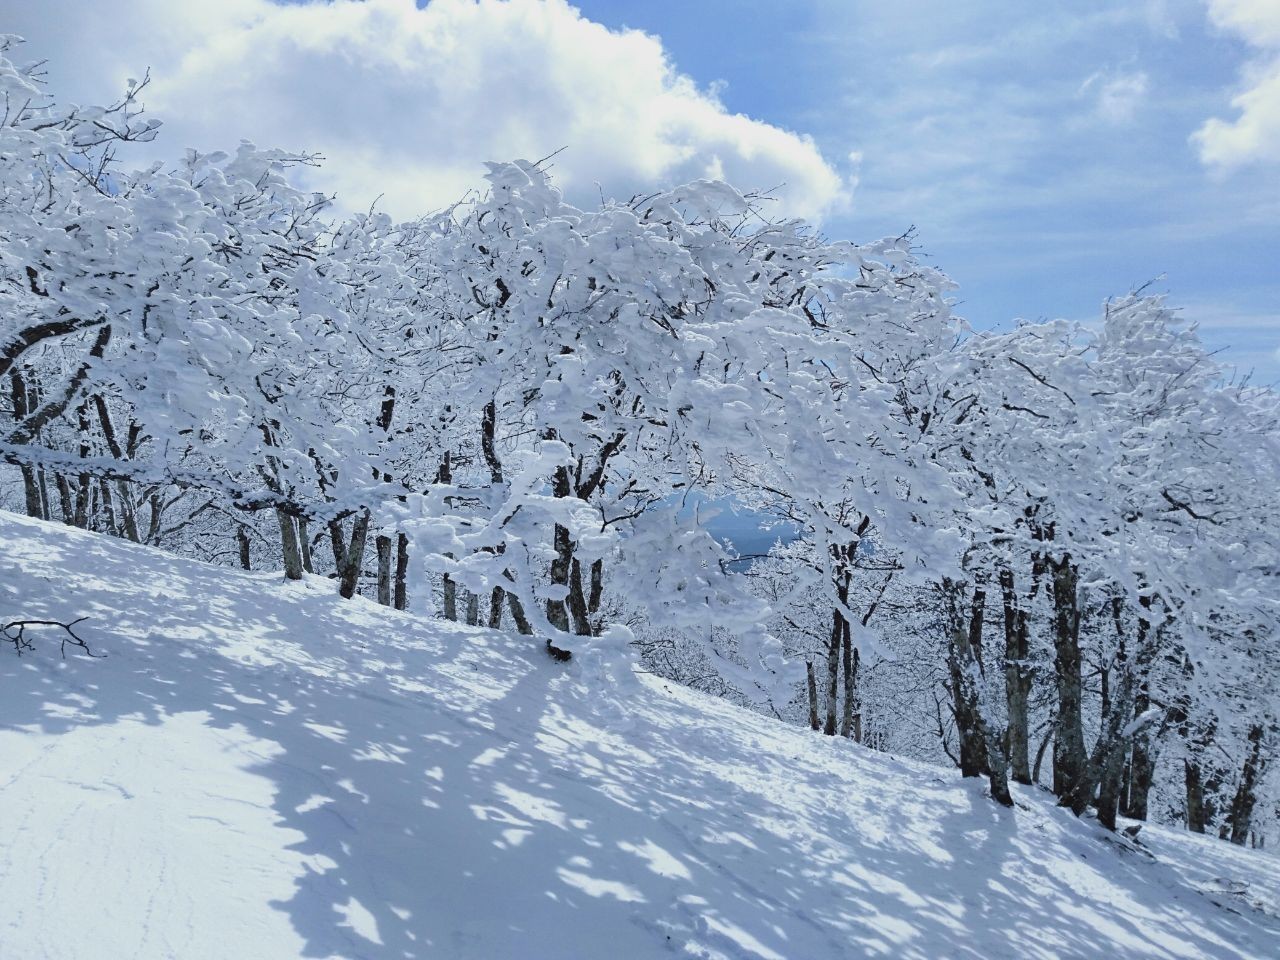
x=1254, y=135
x=409, y=102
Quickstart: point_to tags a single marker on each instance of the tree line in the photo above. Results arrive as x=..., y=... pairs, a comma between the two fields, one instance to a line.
x=1056, y=541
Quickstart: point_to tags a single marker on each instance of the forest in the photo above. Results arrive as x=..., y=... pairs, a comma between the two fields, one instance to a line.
x=1044, y=552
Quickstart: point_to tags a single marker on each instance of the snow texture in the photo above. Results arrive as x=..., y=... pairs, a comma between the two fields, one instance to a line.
x=262, y=770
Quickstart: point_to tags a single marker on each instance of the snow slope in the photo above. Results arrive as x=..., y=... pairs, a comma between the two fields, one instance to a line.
x=261, y=770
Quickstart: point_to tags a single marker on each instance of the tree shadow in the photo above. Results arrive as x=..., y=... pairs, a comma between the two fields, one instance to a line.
x=447, y=792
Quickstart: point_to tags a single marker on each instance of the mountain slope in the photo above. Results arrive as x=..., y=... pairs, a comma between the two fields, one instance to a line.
x=261, y=770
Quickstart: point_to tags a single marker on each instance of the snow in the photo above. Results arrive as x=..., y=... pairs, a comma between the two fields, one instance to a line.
x=262, y=770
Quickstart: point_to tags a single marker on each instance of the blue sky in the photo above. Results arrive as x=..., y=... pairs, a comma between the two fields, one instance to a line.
x=1043, y=152
x=1047, y=155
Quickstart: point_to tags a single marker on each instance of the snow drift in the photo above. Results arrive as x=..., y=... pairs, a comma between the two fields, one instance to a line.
x=262, y=770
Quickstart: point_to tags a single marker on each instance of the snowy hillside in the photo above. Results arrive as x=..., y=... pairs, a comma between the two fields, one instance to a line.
x=262, y=770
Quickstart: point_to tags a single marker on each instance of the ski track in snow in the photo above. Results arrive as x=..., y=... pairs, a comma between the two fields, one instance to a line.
x=261, y=770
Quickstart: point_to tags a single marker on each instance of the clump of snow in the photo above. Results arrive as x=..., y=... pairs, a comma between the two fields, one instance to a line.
x=260, y=769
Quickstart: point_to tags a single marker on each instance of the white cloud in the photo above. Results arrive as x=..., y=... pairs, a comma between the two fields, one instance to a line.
x=1161, y=19
x=1254, y=136
x=1119, y=95
x=408, y=103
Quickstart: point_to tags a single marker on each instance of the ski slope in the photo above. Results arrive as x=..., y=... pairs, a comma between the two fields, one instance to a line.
x=259, y=770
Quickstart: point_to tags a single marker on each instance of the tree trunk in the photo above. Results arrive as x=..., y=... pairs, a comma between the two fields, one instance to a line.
x=350, y=554
x=1195, y=796
x=813, y=696
x=832, y=699
x=1142, y=763
x=1048, y=736
x=128, y=513
x=22, y=403
x=383, y=544
x=997, y=769
x=1246, y=793
x=402, y=572
x=108, y=508
x=304, y=545
x=66, y=502
x=495, y=608
x=289, y=546
x=557, y=610
x=84, y=494
x=450, y=590
x=83, y=491
x=1142, y=760
x=1106, y=767
x=962, y=666
x=597, y=587
x=980, y=749
x=1017, y=679
x=579, y=607
x=851, y=658
x=31, y=493
x=242, y=543
x=566, y=573
x=46, y=511
x=1069, y=760
x=523, y=626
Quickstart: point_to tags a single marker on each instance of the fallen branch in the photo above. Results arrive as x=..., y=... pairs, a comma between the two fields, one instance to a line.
x=16, y=633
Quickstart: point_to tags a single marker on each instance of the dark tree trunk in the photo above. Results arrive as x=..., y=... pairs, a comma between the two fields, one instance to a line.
x=980, y=748
x=579, y=607
x=832, y=698
x=349, y=554
x=1069, y=760
x=962, y=666
x=597, y=587
x=83, y=490
x=1140, y=772
x=842, y=557
x=1196, y=818
x=242, y=543
x=22, y=403
x=850, y=716
x=84, y=495
x=495, y=608
x=108, y=508
x=1017, y=679
x=66, y=502
x=31, y=493
x=1106, y=766
x=523, y=626
x=1142, y=763
x=1246, y=793
x=383, y=545
x=998, y=769
x=289, y=546
x=558, y=610
x=304, y=545
x=402, y=572
x=449, y=589
x=813, y=695
x=46, y=510
x=1044, y=744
